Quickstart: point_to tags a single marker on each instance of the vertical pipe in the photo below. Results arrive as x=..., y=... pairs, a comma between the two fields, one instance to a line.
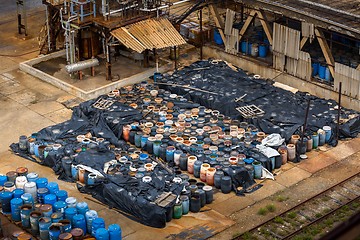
x=175, y=57
x=338, y=116
x=48, y=27
x=25, y=18
x=242, y=12
x=305, y=123
x=108, y=58
x=201, y=36
x=156, y=60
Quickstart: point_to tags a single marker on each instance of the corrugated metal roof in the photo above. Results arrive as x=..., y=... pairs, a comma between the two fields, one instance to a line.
x=148, y=34
x=338, y=15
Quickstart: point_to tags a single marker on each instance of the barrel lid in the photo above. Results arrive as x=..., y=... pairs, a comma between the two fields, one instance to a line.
x=65, y=221
x=78, y=217
x=35, y=214
x=77, y=232
x=326, y=128
x=65, y=236
x=21, y=170
x=81, y=205
x=24, y=236
x=50, y=196
x=101, y=231
x=70, y=200
x=60, y=204
x=52, y=184
x=207, y=188
x=56, y=215
x=32, y=175
x=45, y=207
x=16, y=233
x=18, y=191
x=98, y=221
x=114, y=227
x=6, y=194
x=30, y=185
x=41, y=180
x=61, y=193
x=70, y=210
x=91, y=213
x=26, y=207
x=16, y=201
x=9, y=184
x=44, y=220
x=11, y=174
x=42, y=190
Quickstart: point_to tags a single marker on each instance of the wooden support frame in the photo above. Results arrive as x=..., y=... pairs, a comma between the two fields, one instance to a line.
x=326, y=51
x=247, y=24
x=218, y=21
x=303, y=42
x=266, y=26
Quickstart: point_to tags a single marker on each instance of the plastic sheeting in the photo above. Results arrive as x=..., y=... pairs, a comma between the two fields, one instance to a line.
x=130, y=195
x=284, y=111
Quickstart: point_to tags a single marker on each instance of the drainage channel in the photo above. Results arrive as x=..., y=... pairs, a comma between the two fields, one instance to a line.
x=314, y=216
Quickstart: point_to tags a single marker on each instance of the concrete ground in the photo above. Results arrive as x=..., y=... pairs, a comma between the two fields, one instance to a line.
x=28, y=104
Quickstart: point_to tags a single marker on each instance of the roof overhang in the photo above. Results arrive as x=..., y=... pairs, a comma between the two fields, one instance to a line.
x=336, y=19
x=156, y=33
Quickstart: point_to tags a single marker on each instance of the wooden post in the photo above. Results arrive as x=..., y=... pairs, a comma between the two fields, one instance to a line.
x=242, y=12
x=80, y=75
x=93, y=71
x=339, y=112
x=108, y=57
x=175, y=58
x=201, y=36
x=146, y=58
x=266, y=26
x=247, y=24
x=218, y=22
x=326, y=51
x=303, y=42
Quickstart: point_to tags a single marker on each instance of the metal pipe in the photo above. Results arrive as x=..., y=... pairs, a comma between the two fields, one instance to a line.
x=120, y=10
x=201, y=35
x=65, y=7
x=82, y=65
x=339, y=112
x=305, y=123
x=164, y=6
x=47, y=27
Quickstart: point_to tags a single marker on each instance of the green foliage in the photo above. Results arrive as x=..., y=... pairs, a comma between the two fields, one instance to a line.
x=262, y=211
x=271, y=207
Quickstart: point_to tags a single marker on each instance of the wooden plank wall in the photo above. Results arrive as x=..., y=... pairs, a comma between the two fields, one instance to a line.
x=231, y=34
x=287, y=55
x=350, y=78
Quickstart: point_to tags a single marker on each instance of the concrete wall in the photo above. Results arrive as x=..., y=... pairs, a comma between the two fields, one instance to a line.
x=85, y=95
x=314, y=88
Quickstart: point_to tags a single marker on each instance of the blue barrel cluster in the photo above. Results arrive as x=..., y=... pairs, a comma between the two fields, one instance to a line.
x=320, y=69
x=48, y=212
x=254, y=48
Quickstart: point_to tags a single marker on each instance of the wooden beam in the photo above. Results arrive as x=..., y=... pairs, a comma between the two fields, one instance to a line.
x=218, y=21
x=247, y=24
x=303, y=41
x=265, y=24
x=326, y=51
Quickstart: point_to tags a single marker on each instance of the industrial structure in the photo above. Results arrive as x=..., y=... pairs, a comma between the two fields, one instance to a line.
x=273, y=89
x=317, y=42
